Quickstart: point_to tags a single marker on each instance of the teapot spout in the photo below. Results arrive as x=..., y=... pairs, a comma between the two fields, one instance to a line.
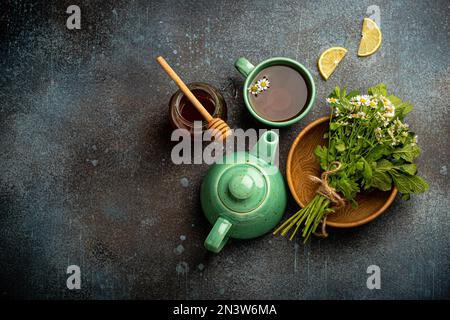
x=266, y=147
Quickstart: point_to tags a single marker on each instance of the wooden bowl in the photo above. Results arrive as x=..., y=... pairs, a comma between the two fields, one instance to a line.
x=302, y=162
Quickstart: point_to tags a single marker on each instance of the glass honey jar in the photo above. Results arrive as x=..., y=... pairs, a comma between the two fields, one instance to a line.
x=183, y=114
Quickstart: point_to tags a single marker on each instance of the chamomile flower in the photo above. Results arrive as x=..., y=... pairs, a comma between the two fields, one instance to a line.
x=386, y=101
x=389, y=111
x=400, y=125
x=378, y=116
x=342, y=123
x=373, y=103
x=336, y=112
x=379, y=134
x=332, y=100
x=390, y=132
x=254, y=89
x=414, y=140
x=356, y=101
x=263, y=84
x=364, y=100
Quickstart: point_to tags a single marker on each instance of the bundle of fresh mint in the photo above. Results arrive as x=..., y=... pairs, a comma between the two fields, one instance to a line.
x=369, y=147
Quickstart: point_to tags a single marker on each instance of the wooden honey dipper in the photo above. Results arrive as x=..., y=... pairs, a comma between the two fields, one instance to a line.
x=219, y=129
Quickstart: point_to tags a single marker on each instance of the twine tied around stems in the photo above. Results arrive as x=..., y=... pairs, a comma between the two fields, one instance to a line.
x=328, y=192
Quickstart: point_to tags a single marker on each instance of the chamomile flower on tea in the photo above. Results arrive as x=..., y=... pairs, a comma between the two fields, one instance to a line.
x=254, y=89
x=263, y=84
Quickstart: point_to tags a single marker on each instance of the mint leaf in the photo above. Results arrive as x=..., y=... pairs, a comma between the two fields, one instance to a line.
x=382, y=181
x=377, y=153
x=396, y=101
x=384, y=165
x=406, y=196
x=379, y=89
x=403, y=109
x=407, y=153
x=409, y=168
x=367, y=172
x=409, y=184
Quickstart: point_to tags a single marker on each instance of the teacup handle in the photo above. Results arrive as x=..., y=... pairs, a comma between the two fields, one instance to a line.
x=244, y=66
x=218, y=236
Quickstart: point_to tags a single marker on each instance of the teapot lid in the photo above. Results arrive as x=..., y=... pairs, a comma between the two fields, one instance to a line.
x=242, y=188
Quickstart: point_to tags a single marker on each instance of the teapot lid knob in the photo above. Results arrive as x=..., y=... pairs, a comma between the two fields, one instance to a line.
x=241, y=186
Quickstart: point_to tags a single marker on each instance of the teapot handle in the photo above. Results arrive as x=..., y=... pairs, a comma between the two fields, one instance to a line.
x=218, y=236
x=266, y=147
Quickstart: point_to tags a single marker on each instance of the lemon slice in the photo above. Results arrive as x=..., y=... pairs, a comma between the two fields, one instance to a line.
x=329, y=60
x=371, y=38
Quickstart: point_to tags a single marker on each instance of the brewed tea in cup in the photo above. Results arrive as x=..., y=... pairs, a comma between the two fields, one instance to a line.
x=278, y=91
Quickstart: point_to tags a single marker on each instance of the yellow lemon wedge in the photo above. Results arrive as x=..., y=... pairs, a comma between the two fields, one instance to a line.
x=329, y=60
x=370, y=38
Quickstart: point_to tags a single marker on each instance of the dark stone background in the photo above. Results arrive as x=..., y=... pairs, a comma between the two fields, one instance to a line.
x=86, y=176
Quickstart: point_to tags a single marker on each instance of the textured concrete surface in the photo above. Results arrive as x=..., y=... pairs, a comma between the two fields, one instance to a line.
x=86, y=176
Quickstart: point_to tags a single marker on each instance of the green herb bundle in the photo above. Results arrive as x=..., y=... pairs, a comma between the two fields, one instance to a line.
x=370, y=147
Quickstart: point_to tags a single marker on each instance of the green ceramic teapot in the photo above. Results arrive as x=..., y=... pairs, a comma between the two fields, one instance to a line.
x=244, y=196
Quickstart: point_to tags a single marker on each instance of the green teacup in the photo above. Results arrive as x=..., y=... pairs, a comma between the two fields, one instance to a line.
x=249, y=71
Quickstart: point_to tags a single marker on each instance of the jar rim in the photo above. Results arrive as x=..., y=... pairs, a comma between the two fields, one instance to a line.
x=209, y=89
